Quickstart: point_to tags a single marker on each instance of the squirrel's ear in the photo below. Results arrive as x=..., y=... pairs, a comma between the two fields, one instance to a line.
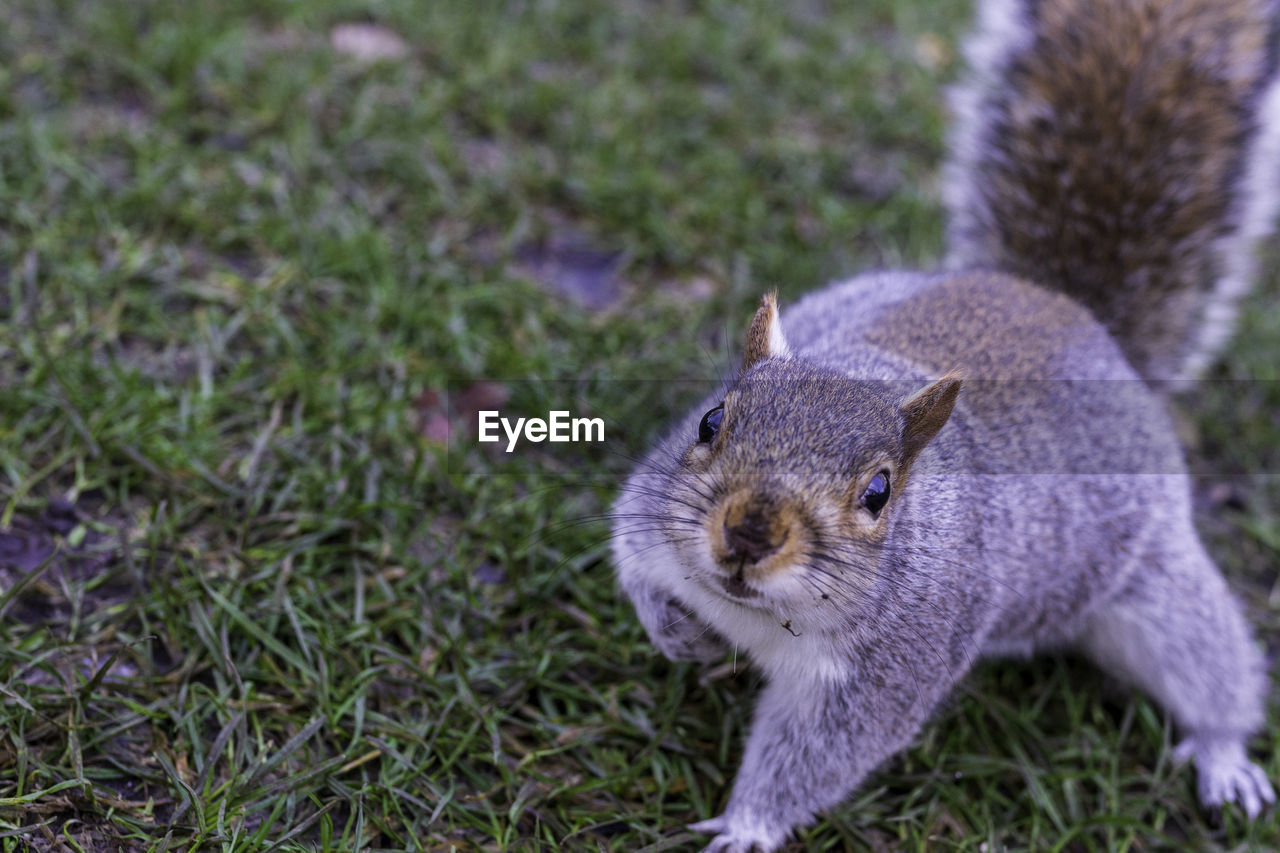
x=926, y=411
x=764, y=338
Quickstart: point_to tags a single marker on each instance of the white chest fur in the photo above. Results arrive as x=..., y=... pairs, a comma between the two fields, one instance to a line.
x=787, y=647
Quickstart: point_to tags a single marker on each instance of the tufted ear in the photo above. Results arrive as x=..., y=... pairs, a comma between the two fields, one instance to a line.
x=764, y=338
x=926, y=412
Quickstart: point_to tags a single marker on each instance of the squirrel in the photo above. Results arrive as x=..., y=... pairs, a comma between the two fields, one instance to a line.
x=913, y=471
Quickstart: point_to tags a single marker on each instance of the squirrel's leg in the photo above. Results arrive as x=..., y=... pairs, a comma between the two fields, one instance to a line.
x=1180, y=636
x=673, y=628
x=810, y=744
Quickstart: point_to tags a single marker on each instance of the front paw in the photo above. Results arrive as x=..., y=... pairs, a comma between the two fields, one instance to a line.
x=680, y=635
x=738, y=836
x=1226, y=775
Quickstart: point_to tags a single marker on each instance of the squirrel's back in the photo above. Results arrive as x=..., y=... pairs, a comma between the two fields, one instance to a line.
x=1126, y=152
x=1048, y=388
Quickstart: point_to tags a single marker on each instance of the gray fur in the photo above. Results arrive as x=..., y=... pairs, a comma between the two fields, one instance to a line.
x=1051, y=510
x=1078, y=532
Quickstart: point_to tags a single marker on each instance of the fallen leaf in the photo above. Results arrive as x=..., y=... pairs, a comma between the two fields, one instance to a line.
x=368, y=42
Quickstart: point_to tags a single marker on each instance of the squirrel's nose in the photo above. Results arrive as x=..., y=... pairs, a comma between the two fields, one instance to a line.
x=752, y=538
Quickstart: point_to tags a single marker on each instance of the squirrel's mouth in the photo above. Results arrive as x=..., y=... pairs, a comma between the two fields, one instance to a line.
x=736, y=586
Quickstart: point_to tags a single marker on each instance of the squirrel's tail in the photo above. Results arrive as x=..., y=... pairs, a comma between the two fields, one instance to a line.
x=1126, y=152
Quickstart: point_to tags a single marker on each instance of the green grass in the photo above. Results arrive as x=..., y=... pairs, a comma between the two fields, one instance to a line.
x=249, y=599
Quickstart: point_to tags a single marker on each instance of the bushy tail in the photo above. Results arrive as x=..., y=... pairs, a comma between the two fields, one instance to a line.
x=1126, y=152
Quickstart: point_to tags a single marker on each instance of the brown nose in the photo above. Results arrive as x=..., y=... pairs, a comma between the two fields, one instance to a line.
x=752, y=538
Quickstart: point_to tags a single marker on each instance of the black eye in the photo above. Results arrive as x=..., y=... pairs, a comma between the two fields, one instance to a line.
x=877, y=493
x=710, y=425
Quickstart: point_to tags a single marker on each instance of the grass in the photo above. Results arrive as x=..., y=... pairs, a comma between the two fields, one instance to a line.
x=251, y=600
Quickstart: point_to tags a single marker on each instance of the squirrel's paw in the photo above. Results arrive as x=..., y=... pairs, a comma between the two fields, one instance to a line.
x=738, y=836
x=680, y=635
x=1225, y=774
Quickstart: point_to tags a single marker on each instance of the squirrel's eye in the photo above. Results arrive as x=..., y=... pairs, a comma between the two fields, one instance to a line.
x=877, y=493
x=710, y=424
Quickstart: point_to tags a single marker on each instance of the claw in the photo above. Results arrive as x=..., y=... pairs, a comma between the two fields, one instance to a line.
x=707, y=827
x=737, y=836
x=1227, y=775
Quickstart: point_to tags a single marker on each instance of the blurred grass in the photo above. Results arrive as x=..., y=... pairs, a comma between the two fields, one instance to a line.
x=248, y=599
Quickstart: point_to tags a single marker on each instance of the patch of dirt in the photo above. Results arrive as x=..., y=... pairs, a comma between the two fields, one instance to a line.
x=47, y=552
x=569, y=264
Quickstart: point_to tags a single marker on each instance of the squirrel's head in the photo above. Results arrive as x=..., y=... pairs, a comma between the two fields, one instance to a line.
x=794, y=477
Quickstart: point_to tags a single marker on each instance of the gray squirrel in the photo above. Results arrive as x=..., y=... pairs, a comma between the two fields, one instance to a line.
x=912, y=471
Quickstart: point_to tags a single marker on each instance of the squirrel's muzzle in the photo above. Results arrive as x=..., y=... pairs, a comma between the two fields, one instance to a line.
x=754, y=533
